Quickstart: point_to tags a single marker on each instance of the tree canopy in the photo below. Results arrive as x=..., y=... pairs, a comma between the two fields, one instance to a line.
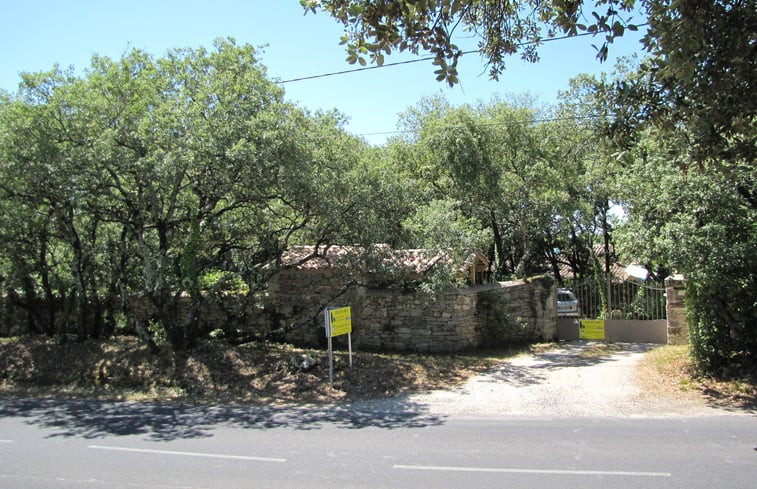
x=375, y=29
x=159, y=178
x=512, y=178
x=700, y=64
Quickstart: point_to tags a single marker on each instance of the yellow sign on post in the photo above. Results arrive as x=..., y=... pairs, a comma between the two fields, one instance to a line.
x=338, y=322
x=341, y=321
x=592, y=329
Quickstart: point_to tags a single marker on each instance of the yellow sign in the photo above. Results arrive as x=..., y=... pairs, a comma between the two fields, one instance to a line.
x=341, y=321
x=592, y=329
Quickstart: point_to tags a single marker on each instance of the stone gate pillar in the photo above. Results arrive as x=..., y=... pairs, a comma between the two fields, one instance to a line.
x=678, y=329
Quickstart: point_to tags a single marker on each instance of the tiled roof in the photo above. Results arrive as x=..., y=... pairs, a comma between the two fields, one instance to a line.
x=618, y=271
x=308, y=257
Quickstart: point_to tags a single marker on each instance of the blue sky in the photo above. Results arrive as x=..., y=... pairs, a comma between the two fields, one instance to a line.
x=38, y=34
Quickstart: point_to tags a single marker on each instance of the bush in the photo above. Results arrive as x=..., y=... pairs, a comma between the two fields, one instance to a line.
x=723, y=325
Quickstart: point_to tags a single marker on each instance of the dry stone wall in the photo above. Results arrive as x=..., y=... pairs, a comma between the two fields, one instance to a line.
x=406, y=320
x=391, y=319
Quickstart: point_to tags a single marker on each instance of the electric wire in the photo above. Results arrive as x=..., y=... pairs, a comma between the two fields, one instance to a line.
x=430, y=58
x=425, y=58
x=489, y=124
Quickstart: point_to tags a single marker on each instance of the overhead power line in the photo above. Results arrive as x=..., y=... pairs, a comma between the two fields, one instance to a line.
x=420, y=60
x=355, y=70
x=430, y=58
x=490, y=124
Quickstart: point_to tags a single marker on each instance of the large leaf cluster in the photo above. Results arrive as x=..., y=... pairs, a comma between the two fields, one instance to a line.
x=698, y=224
x=376, y=29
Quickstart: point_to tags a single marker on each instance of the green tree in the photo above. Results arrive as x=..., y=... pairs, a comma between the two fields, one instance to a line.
x=167, y=178
x=47, y=184
x=510, y=167
x=686, y=212
x=214, y=148
x=696, y=84
x=699, y=224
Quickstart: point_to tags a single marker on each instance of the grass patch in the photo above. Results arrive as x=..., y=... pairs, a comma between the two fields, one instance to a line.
x=670, y=371
x=542, y=347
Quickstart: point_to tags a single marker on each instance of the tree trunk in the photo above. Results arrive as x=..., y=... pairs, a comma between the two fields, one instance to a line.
x=499, y=246
x=50, y=302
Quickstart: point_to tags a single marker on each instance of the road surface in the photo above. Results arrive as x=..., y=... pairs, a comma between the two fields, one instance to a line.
x=78, y=444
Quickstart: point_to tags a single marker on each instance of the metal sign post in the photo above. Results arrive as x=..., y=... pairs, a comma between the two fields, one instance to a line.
x=338, y=321
x=327, y=320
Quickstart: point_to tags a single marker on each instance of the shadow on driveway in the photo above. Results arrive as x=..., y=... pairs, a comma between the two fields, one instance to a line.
x=534, y=369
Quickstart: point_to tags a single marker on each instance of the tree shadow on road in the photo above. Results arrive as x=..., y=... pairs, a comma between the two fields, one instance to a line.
x=166, y=422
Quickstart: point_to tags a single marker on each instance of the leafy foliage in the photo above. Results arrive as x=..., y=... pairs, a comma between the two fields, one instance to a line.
x=699, y=224
x=148, y=175
x=680, y=126
x=375, y=29
x=505, y=176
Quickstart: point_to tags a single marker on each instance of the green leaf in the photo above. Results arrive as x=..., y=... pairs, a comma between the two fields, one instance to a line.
x=618, y=29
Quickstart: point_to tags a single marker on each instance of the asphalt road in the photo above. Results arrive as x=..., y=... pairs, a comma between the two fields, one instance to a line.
x=82, y=444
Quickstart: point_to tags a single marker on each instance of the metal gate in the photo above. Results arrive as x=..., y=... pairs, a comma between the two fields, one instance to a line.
x=633, y=311
x=626, y=300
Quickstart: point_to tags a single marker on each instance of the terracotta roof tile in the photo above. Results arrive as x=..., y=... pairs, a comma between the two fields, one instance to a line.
x=308, y=257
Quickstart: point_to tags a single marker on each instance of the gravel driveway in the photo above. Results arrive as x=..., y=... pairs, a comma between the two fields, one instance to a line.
x=562, y=382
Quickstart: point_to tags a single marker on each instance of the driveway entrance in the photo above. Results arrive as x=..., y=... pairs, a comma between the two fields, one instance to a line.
x=576, y=379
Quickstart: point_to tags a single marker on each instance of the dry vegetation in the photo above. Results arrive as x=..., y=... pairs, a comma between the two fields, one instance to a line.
x=668, y=371
x=122, y=369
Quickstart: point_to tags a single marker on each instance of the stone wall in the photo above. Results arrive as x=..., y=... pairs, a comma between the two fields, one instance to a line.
x=391, y=319
x=405, y=320
x=675, y=293
x=300, y=296
x=523, y=311
x=397, y=320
